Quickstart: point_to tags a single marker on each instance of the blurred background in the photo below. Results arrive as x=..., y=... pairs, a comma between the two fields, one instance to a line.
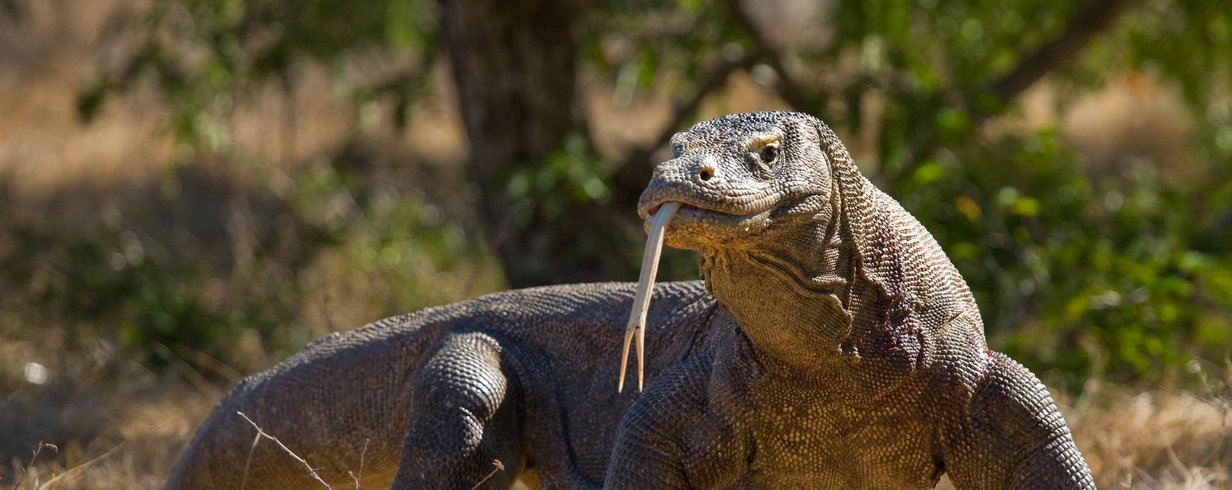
x=190, y=190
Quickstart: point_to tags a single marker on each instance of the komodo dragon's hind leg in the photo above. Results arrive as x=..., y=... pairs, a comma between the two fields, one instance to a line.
x=463, y=417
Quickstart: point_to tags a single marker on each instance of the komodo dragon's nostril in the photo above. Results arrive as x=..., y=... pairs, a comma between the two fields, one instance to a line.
x=705, y=172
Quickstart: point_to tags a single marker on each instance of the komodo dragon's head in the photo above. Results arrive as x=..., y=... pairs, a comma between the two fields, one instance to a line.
x=767, y=200
x=795, y=242
x=741, y=178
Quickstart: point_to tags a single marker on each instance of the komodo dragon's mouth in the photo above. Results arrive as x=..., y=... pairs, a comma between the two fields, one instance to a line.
x=699, y=214
x=687, y=208
x=690, y=205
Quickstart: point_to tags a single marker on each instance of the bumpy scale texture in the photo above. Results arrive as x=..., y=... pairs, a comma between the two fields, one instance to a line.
x=832, y=345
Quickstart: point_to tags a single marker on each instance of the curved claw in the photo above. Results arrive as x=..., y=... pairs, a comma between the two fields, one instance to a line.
x=641, y=298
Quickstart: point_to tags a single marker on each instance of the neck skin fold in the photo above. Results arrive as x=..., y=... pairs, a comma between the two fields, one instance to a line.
x=791, y=291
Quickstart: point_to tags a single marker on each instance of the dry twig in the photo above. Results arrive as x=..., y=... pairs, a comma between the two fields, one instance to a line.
x=41, y=445
x=78, y=469
x=361, y=465
x=261, y=433
x=498, y=466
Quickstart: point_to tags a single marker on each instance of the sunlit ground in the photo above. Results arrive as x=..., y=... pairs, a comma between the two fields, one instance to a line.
x=117, y=425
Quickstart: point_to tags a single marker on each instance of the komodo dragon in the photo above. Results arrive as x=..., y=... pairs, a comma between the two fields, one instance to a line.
x=831, y=345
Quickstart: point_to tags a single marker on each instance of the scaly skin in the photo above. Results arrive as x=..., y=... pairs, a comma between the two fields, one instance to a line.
x=832, y=345
x=527, y=377
x=860, y=360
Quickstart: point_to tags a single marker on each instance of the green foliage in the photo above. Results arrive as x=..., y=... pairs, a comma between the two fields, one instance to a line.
x=113, y=285
x=572, y=174
x=1124, y=275
x=201, y=53
x=124, y=284
x=1184, y=41
x=418, y=253
x=1115, y=277
x=634, y=43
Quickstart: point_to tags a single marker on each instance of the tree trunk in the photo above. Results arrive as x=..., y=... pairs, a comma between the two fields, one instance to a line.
x=515, y=68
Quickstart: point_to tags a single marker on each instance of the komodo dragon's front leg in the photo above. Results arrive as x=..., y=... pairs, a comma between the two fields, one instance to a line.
x=1012, y=436
x=464, y=416
x=427, y=398
x=672, y=439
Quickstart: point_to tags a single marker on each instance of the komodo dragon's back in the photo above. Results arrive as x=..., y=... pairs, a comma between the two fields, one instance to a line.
x=345, y=403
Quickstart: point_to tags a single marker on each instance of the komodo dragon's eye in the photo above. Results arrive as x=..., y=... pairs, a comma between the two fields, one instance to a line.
x=764, y=155
x=769, y=153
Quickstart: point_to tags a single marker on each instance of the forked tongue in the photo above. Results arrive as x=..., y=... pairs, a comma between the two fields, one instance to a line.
x=641, y=297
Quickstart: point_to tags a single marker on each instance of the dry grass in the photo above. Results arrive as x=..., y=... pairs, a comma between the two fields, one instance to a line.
x=119, y=426
x=116, y=424
x=1157, y=439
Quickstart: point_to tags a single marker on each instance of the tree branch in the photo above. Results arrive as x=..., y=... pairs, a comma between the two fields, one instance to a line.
x=630, y=177
x=1097, y=17
x=716, y=80
x=788, y=87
